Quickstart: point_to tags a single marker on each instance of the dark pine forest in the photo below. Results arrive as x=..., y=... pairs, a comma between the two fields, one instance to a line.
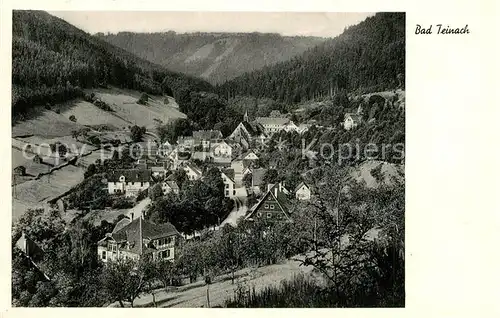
x=367, y=57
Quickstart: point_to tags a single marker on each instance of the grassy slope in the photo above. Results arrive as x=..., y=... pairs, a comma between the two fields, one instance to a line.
x=47, y=126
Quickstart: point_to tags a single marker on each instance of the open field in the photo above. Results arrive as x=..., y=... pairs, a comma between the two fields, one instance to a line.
x=49, y=124
x=36, y=192
x=88, y=114
x=32, y=168
x=195, y=294
x=124, y=105
x=45, y=123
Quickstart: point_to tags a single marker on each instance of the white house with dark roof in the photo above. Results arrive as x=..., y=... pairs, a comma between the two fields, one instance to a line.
x=192, y=172
x=229, y=183
x=129, y=182
x=139, y=238
x=302, y=192
x=351, y=120
x=169, y=186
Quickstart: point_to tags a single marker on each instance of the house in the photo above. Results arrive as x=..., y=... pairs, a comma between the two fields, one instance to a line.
x=169, y=186
x=205, y=137
x=139, y=238
x=272, y=124
x=302, y=192
x=290, y=126
x=158, y=171
x=192, y=172
x=351, y=120
x=248, y=134
x=302, y=128
x=129, y=182
x=229, y=184
x=165, y=149
x=221, y=150
x=178, y=158
x=33, y=253
x=273, y=207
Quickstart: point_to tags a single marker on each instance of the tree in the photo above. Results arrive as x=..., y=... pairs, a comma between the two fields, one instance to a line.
x=91, y=170
x=137, y=133
x=155, y=192
x=75, y=134
x=143, y=100
x=72, y=118
x=123, y=280
x=59, y=148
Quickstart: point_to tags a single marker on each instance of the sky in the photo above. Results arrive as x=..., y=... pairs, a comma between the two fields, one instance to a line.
x=286, y=23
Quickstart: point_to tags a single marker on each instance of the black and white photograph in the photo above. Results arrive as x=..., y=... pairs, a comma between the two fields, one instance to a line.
x=208, y=159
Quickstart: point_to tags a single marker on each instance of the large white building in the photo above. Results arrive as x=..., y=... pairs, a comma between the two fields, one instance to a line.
x=138, y=238
x=129, y=182
x=272, y=125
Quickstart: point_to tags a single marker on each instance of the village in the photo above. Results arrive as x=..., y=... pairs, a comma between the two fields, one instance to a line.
x=135, y=185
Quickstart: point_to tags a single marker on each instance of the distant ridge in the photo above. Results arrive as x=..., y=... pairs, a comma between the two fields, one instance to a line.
x=216, y=56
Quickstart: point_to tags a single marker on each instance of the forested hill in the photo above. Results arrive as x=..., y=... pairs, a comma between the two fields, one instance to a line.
x=52, y=61
x=216, y=57
x=367, y=57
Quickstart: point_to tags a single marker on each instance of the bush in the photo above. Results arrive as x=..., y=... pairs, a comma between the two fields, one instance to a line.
x=48, y=107
x=58, y=111
x=122, y=203
x=166, y=101
x=143, y=100
x=298, y=292
x=72, y=118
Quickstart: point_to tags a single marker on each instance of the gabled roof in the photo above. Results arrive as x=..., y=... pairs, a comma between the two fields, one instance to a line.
x=131, y=175
x=355, y=117
x=300, y=186
x=194, y=168
x=246, y=153
x=229, y=173
x=172, y=184
x=136, y=231
x=272, y=121
x=255, y=129
x=281, y=198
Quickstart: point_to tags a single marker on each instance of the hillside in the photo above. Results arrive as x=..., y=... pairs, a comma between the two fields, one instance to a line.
x=216, y=57
x=367, y=57
x=52, y=61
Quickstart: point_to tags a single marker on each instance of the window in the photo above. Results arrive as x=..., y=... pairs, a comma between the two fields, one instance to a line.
x=269, y=215
x=259, y=214
x=271, y=206
x=103, y=256
x=227, y=186
x=169, y=240
x=165, y=254
x=234, y=192
x=266, y=206
x=227, y=193
x=128, y=182
x=142, y=184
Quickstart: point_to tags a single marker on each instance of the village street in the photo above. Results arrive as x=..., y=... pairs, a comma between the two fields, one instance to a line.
x=240, y=207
